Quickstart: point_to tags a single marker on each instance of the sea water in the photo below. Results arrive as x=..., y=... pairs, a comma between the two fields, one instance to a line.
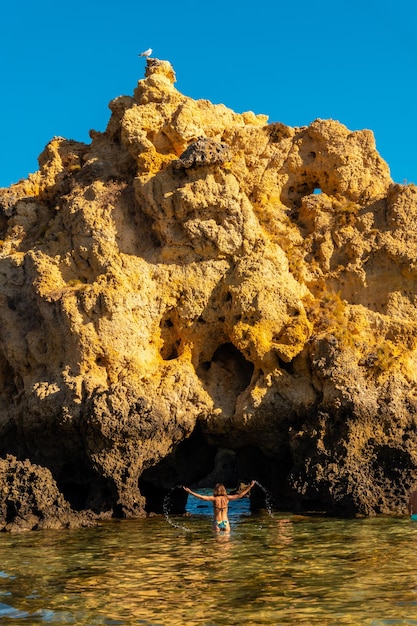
x=280, y=569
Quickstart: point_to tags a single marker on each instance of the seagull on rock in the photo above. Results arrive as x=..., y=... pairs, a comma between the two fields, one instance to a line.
x=146, y=53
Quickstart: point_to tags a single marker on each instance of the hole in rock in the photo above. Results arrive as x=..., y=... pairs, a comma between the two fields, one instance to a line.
x=191, y=460
x=76, y=494
x=226, y=376
x=288, y=366
x=170, y=338
x=170, y=352
x=270, y=472
x=11, y=511
x=294, y=191
x=80, y=488
x=199, y=463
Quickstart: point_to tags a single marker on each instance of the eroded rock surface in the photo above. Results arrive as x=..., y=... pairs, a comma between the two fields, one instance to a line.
x=31, y=500
x=197, y=280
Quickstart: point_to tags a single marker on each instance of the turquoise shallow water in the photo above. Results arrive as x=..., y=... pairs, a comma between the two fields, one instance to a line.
x=275, y=570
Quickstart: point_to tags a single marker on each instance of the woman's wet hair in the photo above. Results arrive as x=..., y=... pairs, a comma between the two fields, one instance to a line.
x=219, y=490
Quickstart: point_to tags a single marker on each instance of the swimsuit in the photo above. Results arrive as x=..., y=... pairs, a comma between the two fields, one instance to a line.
x=222, y=525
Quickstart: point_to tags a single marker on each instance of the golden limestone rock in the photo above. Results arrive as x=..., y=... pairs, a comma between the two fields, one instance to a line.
x=196, y=280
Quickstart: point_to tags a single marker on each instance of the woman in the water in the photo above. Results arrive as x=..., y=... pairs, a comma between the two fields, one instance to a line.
x=220, y=500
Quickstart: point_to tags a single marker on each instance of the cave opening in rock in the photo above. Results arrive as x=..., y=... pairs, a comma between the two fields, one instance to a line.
x=75, y=494
x=199, y=462
x=190, y=461
x=82, y=489
x=74, y=490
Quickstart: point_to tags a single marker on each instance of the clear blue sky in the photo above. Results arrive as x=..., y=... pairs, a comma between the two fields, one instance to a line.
x=294, y=61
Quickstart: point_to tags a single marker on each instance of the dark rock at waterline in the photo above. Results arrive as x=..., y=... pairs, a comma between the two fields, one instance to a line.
x=30, y=500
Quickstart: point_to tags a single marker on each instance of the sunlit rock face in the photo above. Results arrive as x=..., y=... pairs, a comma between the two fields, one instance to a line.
x=196, y=281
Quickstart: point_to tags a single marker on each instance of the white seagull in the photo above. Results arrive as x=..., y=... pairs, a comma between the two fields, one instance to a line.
x=146, y=53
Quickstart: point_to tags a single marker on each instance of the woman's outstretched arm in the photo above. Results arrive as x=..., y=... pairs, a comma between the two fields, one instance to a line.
x=198, y=495
x=241, y=493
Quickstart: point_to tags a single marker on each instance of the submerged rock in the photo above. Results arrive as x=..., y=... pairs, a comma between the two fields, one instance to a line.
x=196, y=280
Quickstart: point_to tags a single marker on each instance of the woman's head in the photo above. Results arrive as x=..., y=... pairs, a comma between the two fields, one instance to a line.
x=219, y=490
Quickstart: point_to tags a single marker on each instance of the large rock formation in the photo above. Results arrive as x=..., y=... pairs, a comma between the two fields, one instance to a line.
x=197, y=280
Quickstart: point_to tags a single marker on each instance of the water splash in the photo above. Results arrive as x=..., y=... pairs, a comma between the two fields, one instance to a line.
x=166, y=507
x=268, y=498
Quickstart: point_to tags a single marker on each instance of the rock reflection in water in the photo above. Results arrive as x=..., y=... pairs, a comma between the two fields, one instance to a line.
x=287, y=569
